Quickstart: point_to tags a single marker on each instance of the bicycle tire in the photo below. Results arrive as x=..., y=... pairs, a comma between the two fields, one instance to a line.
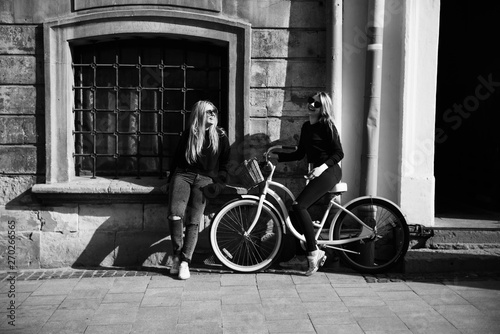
x=379, y=254
x=240, y=252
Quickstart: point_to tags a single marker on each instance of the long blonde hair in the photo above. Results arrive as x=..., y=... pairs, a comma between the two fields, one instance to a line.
x=197, y=129
x=326, y=110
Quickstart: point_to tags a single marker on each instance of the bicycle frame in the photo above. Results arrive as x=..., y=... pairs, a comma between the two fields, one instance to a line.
x=366, y=233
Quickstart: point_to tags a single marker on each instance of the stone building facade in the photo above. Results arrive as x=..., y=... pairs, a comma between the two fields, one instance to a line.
x=68, y=209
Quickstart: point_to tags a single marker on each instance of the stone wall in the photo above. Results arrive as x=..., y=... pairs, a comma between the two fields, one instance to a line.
x=287, y=64
x=22, y=156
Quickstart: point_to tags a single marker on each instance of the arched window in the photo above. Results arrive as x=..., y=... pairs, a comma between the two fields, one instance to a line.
x=119, y=85
x=132, y=99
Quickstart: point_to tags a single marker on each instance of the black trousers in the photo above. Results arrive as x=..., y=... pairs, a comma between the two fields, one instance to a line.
x=312, y=192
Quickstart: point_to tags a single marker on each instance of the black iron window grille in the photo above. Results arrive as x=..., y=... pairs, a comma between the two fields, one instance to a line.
x=132, y=101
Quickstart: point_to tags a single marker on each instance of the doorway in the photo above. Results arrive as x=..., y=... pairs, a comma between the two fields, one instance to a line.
x=467, y=145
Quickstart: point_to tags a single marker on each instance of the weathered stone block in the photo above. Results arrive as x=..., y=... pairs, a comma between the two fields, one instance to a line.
x=291, y=73
x=23, y=219
x=22, y=252
x=18, y=39
x=18, y=159
x=21, y=99
x=147, y=248
x=266, y=102
x=6, y=11
x=18, y=130
x=268, y=73
x=258, y=102
x=271, y=102
x=16, y=189
x=63, y=219
x=282, y=14
x=155, y=217
x=258, y=126
x=284, y=130
x=19, y=70
x=114, y=217
x=287, y=129
x=82, y=249
x=280, y=43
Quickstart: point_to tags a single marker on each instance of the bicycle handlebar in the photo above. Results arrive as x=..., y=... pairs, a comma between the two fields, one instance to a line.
x=278, y=147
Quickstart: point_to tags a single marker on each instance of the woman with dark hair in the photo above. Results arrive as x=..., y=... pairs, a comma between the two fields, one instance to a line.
x=320, y=143
x=201, y=157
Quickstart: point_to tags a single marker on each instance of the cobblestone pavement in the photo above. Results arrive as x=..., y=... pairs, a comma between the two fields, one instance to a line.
x=66, y=273
x=214, y=301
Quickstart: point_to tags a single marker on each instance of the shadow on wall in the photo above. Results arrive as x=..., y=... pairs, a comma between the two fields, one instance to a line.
x=137, y=235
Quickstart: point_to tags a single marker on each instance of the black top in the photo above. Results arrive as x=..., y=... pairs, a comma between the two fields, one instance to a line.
x=318, y=143
x=208, y=163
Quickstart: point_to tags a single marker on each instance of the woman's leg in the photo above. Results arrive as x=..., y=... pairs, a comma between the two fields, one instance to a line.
x=180, y=190
x=314, y=190
x=194, y=214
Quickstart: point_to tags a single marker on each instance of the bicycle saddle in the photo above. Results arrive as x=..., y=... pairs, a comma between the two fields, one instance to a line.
x=339, y=188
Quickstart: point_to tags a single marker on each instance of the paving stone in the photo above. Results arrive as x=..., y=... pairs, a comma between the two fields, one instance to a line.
x=41, y=311
x=83, y=315
x=132, y=298
x=44, y=300
x=332, y=319
x=370, y=311
x=237, y=279
x=80, y=304
x=195, y=311
x=324, y=306
x=109, y=329
x=319, y=296
x=278, y=293
x=110, y=316
x=90, y=293
x=389, y=323
x=355, y=291
x=218, y=303
x=362, y=301
x=205, y=327
x=285, y=312
x=201, y=295
x=64, y=327
x=237, y=328
x=290, y=326
x=339, y=329
x=51, y=287
x=160, y=301
x=444, y=297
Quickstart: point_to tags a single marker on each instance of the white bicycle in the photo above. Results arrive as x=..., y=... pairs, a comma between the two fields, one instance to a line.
x=370, y=233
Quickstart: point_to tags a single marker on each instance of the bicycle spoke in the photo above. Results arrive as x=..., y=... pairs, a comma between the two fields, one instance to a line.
x=391, y=235
x=237, y=249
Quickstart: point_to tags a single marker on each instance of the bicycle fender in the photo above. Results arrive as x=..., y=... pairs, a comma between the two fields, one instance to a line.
x=367, y=197
x=271, y=206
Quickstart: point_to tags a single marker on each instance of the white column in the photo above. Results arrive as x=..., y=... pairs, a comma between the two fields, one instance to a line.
x=418, y=104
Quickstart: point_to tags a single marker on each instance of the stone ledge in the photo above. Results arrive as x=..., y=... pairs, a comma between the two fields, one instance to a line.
x=103, y=190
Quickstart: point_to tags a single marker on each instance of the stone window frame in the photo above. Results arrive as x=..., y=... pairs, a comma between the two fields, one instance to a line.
x=61, y=184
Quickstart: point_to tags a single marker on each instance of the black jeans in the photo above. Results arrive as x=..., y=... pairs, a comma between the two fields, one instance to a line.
x=187, y=204
x=313, y=191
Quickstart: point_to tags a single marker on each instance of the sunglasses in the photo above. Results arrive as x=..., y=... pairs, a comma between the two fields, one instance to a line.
x=316, y=104
x=211, y=112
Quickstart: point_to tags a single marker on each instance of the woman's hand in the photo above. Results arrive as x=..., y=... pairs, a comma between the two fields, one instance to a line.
x=316, y=172
x=164, y=188
x=271, y=155
x=213, y=190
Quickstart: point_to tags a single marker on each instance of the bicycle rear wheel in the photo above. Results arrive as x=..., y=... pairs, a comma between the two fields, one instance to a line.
x=378, y=254
x=242, y=251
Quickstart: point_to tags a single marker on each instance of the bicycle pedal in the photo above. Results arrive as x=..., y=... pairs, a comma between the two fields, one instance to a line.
x=322, y=261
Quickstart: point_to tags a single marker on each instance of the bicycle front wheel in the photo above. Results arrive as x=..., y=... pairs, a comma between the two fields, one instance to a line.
x=391, y=241
x=239, y=249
